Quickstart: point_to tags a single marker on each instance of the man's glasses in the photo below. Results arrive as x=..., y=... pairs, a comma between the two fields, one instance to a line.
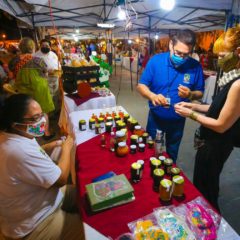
x=181, y=54
x=34, y=118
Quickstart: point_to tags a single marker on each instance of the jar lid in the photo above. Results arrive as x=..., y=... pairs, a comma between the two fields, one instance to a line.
x=158, y=172
x=175, y=170
x=134, y=121
x=145, y=134
x=136, y=165
x=100, y=119
x=138, y=127
x=92, y=120
x=126, y=115
x=120, y=134
x=134, y=137
x=122, y=144
x=166, y=183
x=109, y=118
x=117, y=117
x=108, y=124
x=168, y=161
x=140, y=162
x=141, y=145
x=82, y=121
x=152, y=158
x=156, y=162
x=178, y=179
x=162, y=158
x=133, y=146
x=150, y=142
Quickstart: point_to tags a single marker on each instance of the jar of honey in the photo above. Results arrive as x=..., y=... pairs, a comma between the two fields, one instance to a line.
x=151, y=144
x=82, y=125
x=165, y=190
x=117, y=118
x=155, y=163
x=175, y=171
x=168, y=162
x=135, y=172
x=126, y=117
x=178, y=186
x=145, y=137
x=101, y=122
x=92, y=123
x=118, y=124
x=122, y=149
x=134, y=139
x=109, y=119
x=158, y=175
x=133, y=123
x=108, y=126
x=121, y=136
x=162, y=159
x=97, y=128
x=138, y=130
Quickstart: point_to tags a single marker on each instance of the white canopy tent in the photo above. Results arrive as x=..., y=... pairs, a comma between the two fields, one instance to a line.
x=69, y=15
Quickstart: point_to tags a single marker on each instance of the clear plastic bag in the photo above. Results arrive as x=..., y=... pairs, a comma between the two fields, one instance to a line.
x=200, y=217
x=146, y=228
x=173, y=224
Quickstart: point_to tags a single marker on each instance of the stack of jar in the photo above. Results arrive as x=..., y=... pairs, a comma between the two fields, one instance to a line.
x=173, y=184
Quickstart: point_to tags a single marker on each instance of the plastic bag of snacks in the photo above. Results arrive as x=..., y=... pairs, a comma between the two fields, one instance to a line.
x=200, y=217
x=146, y=228
x=173, y=224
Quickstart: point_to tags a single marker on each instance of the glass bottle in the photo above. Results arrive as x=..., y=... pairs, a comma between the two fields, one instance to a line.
x=103, y=140
x=158, y=143
x=112, y=142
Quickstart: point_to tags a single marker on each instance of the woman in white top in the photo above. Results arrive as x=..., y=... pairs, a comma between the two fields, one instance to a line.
x=30, y=195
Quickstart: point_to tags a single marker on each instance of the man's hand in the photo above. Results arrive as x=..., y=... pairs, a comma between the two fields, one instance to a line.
x=159, y=99
x=184, y=92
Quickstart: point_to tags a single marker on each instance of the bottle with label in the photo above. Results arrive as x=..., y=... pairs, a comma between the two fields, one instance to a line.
x=158, y=143
x=112, y=142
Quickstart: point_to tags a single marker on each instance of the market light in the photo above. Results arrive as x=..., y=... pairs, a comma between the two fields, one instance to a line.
x=137, y=40
x=106, y=25
x=4, y=36
x=129, y=41
x=121, y=14
x=75, y=39
x=167, y=4
x=77, y=31
x=156, y=37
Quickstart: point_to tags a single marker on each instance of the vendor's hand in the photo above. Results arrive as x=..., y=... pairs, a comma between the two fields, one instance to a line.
x=68, y=144
x=184, y=92
x=159, y=99
x=182, y=111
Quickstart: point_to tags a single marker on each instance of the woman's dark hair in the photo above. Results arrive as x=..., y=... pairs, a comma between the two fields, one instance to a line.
x=185, y=36
x=13, y=110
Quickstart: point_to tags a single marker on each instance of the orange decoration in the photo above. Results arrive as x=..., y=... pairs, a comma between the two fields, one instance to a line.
x=84, y=89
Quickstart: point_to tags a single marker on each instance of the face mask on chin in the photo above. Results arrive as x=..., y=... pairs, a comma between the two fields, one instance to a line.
x=35, y=129
x=45, y=50
x=228, y=62
x=177, y=61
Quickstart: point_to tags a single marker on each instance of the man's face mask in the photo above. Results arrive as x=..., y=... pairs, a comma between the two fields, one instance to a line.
x=178, y=61
x=228, y=62
x=36, y=129
x=45, y=50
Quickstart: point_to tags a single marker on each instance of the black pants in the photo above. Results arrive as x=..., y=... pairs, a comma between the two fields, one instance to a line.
x=209, y=162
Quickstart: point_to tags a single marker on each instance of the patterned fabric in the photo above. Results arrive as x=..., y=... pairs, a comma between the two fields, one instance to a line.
x=20, y=62
x=228, y=77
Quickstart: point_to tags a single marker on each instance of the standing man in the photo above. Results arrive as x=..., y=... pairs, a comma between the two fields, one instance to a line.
x=52, y=62
x=170, y=78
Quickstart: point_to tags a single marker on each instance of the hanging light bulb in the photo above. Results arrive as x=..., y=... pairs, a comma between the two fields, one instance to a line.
x=167, y=4
x=129, y=41
x=156, y=37
x=77, y=31
x=121, y=14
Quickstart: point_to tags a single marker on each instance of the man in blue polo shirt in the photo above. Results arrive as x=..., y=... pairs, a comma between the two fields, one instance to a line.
x=170, y=78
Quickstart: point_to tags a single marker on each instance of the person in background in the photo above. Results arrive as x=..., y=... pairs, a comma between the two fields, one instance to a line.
x=30, y=195
x=220, y=127
x=53, y=65
x=30, y=78
x=170, y=78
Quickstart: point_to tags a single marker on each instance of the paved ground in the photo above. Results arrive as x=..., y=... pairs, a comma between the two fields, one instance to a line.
x=230, y=180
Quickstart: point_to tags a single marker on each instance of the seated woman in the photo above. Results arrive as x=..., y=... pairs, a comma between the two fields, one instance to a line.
x=220, y=127
x=30, y=77
x=30, y=195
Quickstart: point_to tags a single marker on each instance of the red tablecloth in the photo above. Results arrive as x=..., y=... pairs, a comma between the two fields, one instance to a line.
x=78, y=101
x=92, y=161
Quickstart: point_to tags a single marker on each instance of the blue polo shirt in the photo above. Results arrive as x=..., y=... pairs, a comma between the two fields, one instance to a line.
x=162, y=77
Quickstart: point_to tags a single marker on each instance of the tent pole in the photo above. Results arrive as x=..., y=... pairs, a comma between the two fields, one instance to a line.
x=138, y=55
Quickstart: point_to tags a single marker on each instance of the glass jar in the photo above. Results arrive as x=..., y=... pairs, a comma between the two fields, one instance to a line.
x=165, y=190
x=126, y=117
x=108, y=126
x=133, y=123
x=145, y=137
x=158, y=175
x=142, y=167
x=117, y=118
x=82, y=125
x=135, y=172
x=151, y=144
x=138, y=130
x=178, y=186
x=155, y=163
x=121, y=136
x=109, y=119
x=122, y=149
x=101, y=122
x=92, y=123
x=162, y=159
x=98, y=129
x=134, y=139
x=141, y=147
x=168, y=162
x=175, y=171
x=133, y=149
x=118, y=124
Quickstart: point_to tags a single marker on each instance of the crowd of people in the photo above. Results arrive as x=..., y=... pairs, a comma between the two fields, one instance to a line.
x=34, y=204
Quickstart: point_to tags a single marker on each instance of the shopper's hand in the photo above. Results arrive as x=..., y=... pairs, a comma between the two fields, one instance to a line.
x=187, y=105
x=68, y=143
x=159, y=99
x=182, y=111
x=184, y=92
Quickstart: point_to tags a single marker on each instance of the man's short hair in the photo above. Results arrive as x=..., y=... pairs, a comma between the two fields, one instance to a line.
x=185, y=36
x=45, y=40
